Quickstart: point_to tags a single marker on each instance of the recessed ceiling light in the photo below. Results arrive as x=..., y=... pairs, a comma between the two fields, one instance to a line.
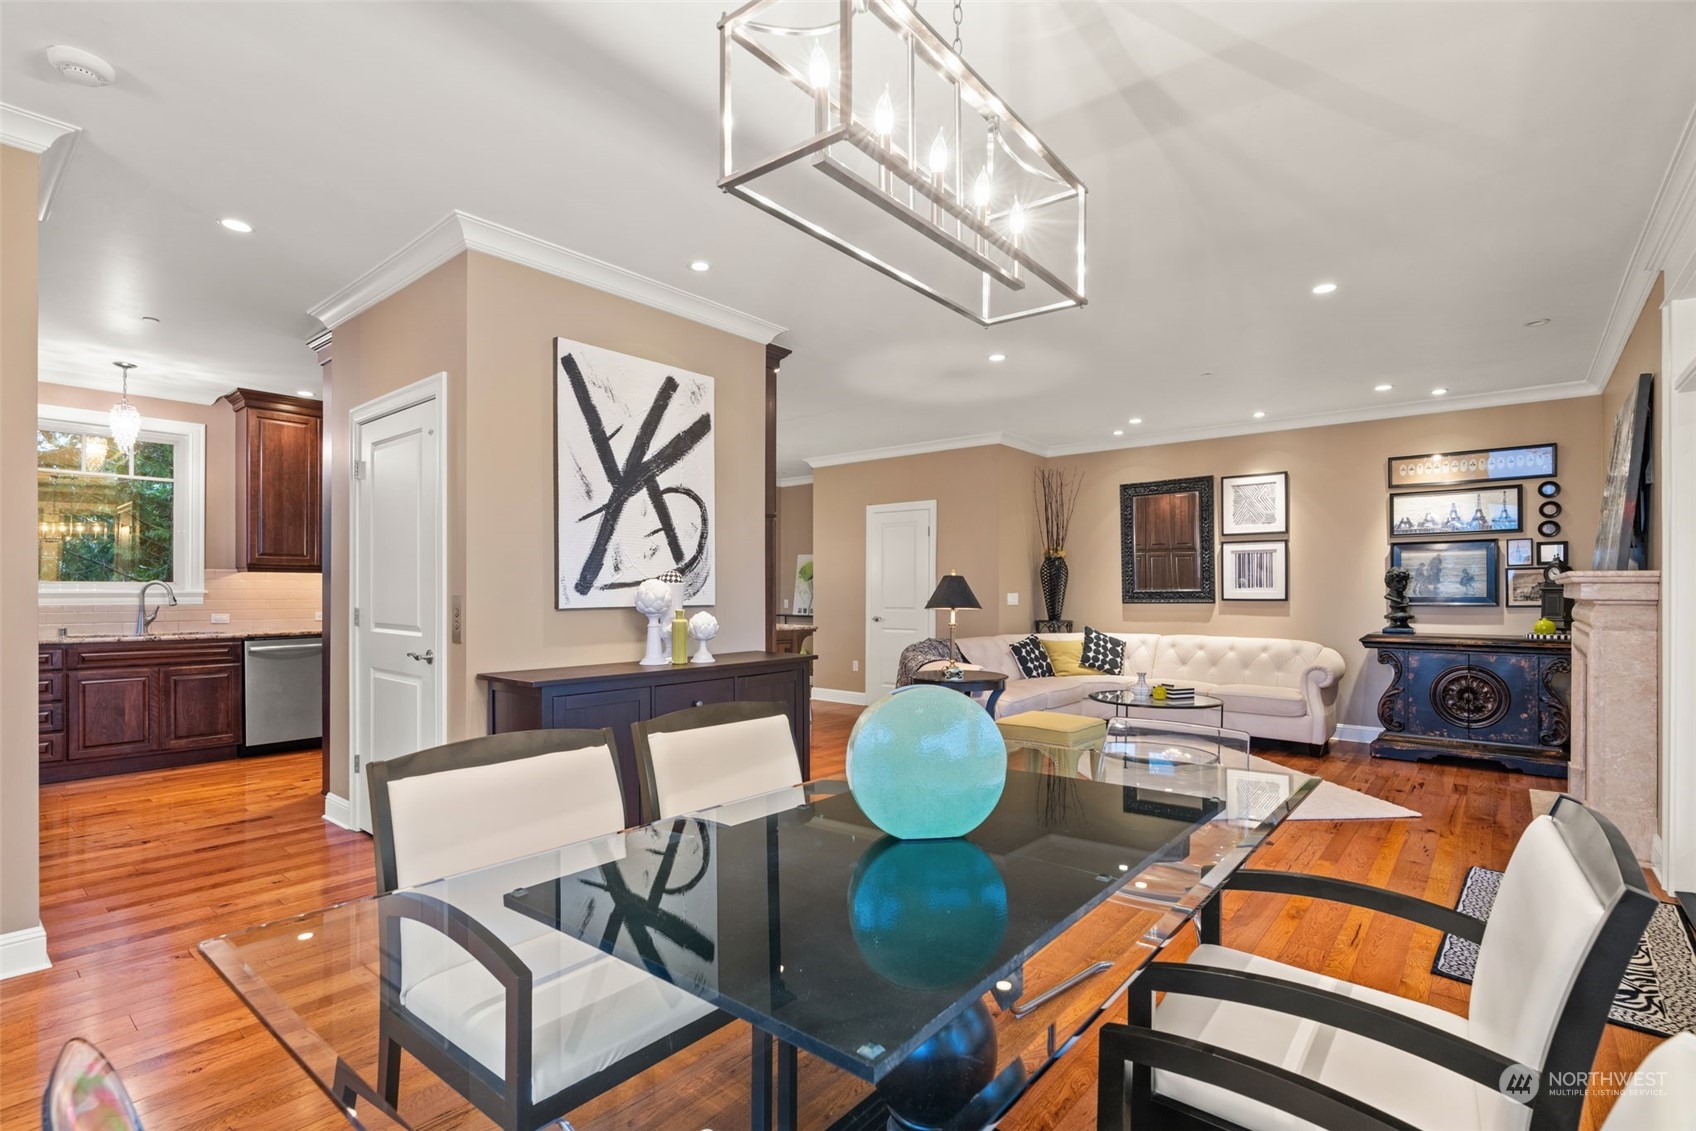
x=304, y=393
x=1324, y=288
x=1118, y=431
x=699, y=265
x=1439, y=392
x=235, y=225
x=1258, y=415
x=1382, y=388
x=1538, y=322
x=998, y=357
x=1136, y=420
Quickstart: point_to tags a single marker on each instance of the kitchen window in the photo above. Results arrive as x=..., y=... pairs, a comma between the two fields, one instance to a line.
x=108, y=523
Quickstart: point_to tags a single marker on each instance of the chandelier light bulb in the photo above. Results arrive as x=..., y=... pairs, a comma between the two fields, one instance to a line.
x=1016, y=219
x=818, y=68
x=125, y=420
x=883, y=118
x=981, y=190
x=939, y=155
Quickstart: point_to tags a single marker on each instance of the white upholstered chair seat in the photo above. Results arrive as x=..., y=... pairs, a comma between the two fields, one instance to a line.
x=590, y=1011
x=1383, y=1076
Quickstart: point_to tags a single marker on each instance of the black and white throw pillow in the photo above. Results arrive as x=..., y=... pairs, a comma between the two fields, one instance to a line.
x=1102, y=652
x=1032, y=660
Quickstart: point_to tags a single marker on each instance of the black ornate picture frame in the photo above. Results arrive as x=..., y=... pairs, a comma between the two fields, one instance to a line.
x=1133, y=589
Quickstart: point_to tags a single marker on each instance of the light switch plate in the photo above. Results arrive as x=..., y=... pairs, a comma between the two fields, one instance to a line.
x=856, y=665
x=319, y=615
x=1012, y=598
x=220, y=618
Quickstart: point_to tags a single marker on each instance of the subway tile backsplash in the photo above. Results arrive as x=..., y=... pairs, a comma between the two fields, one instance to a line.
x=255, y=602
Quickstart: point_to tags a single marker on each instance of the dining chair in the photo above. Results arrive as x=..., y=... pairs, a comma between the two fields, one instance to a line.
x=702, y=757
x=84, y=1093
x=1247, y=1042
x=1661, y=1095
x=522, y=1020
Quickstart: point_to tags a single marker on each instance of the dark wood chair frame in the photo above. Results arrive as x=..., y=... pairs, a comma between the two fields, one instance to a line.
x=506, y=1101
x=1135, y=1049
x=691, y=718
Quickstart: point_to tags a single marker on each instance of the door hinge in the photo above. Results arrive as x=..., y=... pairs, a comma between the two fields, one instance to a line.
x=359, y=469
x=356, y=616
x=356, y=765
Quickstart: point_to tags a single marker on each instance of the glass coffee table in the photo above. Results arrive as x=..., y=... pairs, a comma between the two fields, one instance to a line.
x=1122, y=703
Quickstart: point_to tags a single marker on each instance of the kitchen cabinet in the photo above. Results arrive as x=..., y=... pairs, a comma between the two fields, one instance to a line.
x=616, y=695
x=279, y=502
x=138, y=705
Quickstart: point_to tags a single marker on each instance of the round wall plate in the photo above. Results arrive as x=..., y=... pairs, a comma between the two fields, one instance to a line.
x=1550, y=509
x=1548, y=489
x=1549, y=529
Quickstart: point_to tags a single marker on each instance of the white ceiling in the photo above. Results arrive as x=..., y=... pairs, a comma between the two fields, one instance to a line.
x=1459, y=170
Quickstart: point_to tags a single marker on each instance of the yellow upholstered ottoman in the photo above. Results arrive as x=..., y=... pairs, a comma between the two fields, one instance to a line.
x=1054, y=728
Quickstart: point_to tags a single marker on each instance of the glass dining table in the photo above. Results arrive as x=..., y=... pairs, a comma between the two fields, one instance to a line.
x=895, y=983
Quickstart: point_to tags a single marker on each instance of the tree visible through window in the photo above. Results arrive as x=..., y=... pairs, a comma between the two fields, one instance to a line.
x=104, y=516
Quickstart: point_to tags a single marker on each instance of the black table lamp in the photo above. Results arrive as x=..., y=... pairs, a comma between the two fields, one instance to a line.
x=952, y=593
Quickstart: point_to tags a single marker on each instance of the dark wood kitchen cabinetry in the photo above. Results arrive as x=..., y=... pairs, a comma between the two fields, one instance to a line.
x=139, y=705
x=616, y=695
x=279, y=463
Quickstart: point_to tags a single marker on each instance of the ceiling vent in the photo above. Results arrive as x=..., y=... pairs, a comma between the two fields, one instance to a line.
x=80, y=67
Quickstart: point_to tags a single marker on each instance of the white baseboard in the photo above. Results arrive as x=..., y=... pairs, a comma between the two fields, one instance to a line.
x=1346, y=732
x=831, y=695
x=338, y=812
x=23, y=952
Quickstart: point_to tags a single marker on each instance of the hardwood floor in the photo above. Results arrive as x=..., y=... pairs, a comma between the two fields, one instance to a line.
x=136, y=870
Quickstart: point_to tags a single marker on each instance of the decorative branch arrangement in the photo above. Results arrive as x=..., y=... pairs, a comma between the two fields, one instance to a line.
x=1056, y=498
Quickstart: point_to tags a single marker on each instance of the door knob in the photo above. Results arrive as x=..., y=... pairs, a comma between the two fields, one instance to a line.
x=428, y=655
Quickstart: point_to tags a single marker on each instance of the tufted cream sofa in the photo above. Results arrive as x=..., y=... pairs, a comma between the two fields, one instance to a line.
x=1278, y=689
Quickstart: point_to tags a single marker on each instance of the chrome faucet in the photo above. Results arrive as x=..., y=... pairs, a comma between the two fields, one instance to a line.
x=143, y=618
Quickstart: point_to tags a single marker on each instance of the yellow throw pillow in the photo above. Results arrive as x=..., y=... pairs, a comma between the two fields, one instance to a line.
x=1066, y=656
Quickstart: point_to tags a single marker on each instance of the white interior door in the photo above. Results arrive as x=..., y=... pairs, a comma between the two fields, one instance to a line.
x=397, y=590
x=900, y=576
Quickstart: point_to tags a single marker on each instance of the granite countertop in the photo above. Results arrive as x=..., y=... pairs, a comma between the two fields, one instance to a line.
x=117, y=637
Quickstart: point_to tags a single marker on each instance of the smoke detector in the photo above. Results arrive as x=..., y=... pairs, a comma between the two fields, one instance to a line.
x=80, y=67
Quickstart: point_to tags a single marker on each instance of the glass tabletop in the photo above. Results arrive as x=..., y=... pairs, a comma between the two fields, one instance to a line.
x=797, y=915
x=1123, y=698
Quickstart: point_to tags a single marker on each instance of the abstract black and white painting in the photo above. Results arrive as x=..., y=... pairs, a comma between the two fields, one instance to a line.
x=1254, y=571
x=633, y=455
x=1254, y=504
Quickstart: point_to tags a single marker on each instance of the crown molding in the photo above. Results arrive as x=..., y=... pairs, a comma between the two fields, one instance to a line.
x=796, y=481
x=460, y=231
x=950, y=444
x=1666, y=235
x=27, y=130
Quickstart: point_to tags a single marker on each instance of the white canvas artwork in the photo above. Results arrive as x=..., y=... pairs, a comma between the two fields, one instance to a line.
x=803, y=603
x=1254, y=504
x=633, y=455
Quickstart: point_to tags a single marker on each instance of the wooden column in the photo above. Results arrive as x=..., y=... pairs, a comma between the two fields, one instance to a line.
x=774, y=359
x=321, y=346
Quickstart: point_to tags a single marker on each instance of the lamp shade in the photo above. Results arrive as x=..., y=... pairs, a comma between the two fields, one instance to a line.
x=952, y=592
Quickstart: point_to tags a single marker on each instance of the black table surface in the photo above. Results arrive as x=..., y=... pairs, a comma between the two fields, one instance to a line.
x=854, y=946
x=970, y=675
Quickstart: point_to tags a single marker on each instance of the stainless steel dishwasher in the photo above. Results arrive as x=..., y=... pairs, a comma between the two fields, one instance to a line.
x=283, y=679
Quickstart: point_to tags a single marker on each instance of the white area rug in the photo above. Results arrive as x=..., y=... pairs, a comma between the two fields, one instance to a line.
x=1333, y=802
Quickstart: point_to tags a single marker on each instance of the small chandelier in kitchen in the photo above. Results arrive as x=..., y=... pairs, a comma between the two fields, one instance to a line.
x=881, y=105
x=125, y=420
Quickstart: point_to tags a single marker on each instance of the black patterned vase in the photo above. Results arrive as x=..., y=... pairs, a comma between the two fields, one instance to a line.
x=1053, y=573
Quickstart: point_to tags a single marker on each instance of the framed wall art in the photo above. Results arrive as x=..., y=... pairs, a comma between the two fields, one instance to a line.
x=1481, y=465
x=1525, y=588
x=1166, y=542
x=1254, y=504
x=1622, y=533
x=1550, y=552
x=1449, y=573
x=1519, y=552
x=1254, y=571
x=1487, y=510
x=633, y=466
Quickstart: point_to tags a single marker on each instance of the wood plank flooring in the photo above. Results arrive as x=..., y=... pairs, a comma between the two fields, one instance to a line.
x=136, y=870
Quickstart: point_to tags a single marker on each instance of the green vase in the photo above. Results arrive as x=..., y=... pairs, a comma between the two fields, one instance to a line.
x=679, y=639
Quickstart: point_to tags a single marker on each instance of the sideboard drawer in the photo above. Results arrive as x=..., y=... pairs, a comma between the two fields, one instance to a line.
x=51, y=748
x=669, y=697
x=51, y=686
x=51, y=717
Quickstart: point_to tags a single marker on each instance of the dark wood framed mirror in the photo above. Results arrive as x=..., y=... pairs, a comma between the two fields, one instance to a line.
x=1166, y=541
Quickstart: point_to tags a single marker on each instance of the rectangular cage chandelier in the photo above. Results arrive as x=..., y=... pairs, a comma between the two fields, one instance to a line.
x=883, y=107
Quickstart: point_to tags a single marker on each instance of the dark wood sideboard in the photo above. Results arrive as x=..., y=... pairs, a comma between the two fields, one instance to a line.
x=1501, y=699
x=616, y=695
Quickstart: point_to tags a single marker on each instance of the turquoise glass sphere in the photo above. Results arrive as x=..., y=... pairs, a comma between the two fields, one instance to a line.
x=926, y=762
x=927, y=913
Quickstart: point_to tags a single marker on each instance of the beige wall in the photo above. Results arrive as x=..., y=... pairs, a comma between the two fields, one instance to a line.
x=220, y=424
x=794, y=537
x=981, y=497
x=1338, y=531
x=490, y=325
x=1642, y=354
x=19, y=815
x=411, y=335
